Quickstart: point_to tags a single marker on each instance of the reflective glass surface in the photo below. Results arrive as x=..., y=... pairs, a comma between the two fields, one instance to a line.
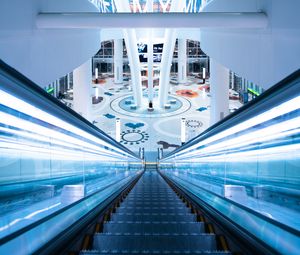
x=54, y=165
x=248, y=167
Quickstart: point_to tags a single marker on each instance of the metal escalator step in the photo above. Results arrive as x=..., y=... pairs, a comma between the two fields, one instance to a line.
x=157, y=190
x=146, y=198
x=152, y=203
x=154, y=227
x=149, y=209
x=144, y=194
x=153, y=217
x=136, y=252
x=175, y=242
x=154, y=193
x=152, y=200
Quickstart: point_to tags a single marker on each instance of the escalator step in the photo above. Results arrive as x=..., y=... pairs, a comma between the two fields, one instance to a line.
x=136, y=252
x=153, y=217
x=149, y=196
x=155, y=227
x=148, y=209
x=152, y=203
x=161, y=200
x=174, y=242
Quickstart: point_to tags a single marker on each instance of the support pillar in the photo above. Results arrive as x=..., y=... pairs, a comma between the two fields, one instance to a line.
x=219, y=91
x=150, y=66
x=118, y=61
x=165, y=66
x=183, y=130
x=55, y=88
x=135, y=69
x=231, y=80
x=133, y=56
x=150, y=56
x=96, y=73
x=167, y=55
x=82, y=89
x=118, y=130
x=68, y=81
x=182, y=60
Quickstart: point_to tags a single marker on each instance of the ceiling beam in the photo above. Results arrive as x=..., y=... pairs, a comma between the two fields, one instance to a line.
x=152, y=20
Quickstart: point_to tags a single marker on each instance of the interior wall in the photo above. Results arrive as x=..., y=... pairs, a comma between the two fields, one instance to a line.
x=263, y=56
x=44, y=55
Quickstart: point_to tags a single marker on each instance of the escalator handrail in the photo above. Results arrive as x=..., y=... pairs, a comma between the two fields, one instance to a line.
x=248, y=110
x=245, y=208
x=54, y=214
x=25, y=88
x=221, y=218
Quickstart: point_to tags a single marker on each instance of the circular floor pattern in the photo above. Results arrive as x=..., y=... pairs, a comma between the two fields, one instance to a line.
x=132, y=137
x=194, y=123
x=120, y=105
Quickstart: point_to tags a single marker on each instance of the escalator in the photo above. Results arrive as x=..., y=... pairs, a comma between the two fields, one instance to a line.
x=153, y=219
x=57, y=170
x=66, y=186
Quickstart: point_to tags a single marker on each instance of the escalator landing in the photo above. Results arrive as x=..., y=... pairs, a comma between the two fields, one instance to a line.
x=153, y=220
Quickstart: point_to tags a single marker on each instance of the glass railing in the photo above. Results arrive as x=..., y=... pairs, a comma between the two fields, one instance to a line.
x=248, y=166
x=53, y=162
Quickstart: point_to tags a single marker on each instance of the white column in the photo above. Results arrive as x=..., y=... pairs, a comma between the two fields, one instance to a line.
x=165, y=66
x=68, y=81
x=219, y=91
x=96, y=93
x=167, y=55
x=182, y=130
x=150, y=55
x=182, y=60
x=150, y=65
x=133, y=56
x=203, y=73
x=135, y=69
x=82, y=89
x=118, y=130
x=56, y=88
x=118, y=60
x=232, y=80
x=96, y=73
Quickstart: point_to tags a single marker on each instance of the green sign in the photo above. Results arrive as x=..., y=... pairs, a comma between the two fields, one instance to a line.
x=254, y=92
x=50, y=90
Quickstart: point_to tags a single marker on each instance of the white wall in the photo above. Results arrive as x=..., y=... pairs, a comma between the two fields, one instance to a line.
x=263, y=56
x=44, y=55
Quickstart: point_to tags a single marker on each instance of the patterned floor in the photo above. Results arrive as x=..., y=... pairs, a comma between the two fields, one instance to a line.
x=158, y=129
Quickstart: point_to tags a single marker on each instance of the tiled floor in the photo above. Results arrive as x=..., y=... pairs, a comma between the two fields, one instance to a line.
x=149, y=130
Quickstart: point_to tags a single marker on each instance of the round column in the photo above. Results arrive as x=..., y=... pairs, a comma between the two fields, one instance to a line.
x=135, y=69
x=82, y=89
x=150, y=56
x=118, y=61
x=150, y=66
x=219, y=91
x=182, y=60
x=165, y=66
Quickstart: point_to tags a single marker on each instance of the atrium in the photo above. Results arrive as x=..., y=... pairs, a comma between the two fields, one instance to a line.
x=149, y=127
